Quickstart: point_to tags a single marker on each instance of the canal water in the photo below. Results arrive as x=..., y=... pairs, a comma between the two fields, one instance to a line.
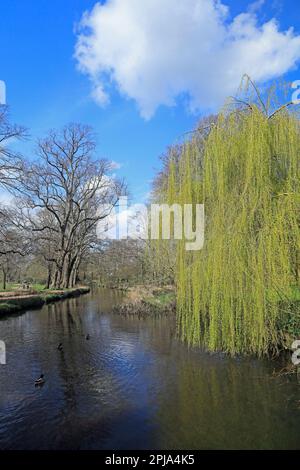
x=133, y=385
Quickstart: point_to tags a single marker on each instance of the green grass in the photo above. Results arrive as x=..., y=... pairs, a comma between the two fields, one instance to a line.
x=12, y=286
x=161, y=300
x=37, y=301
x=17, y=305
x=38, y=287
x=7, y=308
x=9, y=287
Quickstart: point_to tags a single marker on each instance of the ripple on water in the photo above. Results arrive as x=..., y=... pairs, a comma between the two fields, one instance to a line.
x=132, y=385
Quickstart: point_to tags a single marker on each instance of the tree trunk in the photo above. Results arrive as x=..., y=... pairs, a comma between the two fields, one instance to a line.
x=4, y=279
x=49, y=277
x=75, y=270
x=55, y=281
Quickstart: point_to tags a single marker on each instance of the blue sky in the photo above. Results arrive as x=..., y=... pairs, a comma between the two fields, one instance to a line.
x=46, y=90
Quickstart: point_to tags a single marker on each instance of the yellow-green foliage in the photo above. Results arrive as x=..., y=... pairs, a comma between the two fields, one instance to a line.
x=228, y=294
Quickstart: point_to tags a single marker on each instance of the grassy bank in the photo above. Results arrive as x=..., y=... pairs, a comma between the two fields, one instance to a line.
x=144, y=301
x=148, y=301
x=15, y=302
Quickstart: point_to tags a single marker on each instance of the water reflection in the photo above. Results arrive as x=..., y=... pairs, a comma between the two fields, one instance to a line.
x=132, y=385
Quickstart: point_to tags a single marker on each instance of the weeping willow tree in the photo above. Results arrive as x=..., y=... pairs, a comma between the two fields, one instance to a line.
x=233, y=295
x=178, y=182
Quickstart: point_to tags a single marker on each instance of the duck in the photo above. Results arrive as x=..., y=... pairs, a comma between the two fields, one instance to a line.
x=87, y=337
x=60, y=347
x=40, y=381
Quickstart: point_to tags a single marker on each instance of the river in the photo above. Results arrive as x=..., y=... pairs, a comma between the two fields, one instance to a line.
x=133, y=385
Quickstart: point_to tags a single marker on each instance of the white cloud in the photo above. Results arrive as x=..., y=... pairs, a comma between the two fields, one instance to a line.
x=256, y=6
x=153, y=51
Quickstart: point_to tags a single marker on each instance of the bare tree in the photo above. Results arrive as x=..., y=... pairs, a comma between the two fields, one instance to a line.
x=10, y=161
x=66, y=193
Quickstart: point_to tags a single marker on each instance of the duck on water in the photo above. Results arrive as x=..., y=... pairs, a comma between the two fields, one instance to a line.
x=40, y=381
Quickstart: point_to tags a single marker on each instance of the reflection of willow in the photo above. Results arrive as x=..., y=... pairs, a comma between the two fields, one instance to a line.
x=224, y=405
x=160, y=333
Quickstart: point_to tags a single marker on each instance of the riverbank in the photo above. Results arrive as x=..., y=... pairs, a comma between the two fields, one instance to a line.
x=144, y=301
x=149, y=301
x=13, y=302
